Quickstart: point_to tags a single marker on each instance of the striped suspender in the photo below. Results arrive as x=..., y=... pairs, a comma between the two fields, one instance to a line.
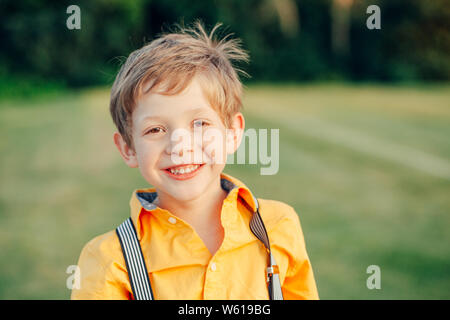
x=273, y=277
x=137, y=271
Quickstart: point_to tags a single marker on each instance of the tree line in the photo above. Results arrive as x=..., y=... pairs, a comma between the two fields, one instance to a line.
x=288, y=40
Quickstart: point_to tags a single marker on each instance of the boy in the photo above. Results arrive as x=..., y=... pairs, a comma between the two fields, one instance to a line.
x=176, y=105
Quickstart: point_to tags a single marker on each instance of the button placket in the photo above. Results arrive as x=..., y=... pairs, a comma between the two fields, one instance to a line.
x=211, y=284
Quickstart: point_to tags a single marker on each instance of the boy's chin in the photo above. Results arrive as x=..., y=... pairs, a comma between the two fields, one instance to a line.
x=185, y=195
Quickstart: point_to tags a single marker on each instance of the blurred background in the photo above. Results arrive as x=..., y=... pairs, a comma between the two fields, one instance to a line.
x=364, y=120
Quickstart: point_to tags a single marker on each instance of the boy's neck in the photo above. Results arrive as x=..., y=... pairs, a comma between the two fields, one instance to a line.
x=200, y=212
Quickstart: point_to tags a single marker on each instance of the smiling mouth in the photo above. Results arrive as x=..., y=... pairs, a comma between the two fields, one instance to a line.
x=183, y=171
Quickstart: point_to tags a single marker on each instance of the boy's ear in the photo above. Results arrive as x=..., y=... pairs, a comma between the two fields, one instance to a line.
x=127, y=153
x=235, y=133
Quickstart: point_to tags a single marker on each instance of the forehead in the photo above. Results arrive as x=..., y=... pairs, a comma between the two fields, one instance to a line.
x=157, y=104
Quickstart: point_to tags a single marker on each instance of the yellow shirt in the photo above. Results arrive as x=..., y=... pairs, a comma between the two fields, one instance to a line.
x=181, y=267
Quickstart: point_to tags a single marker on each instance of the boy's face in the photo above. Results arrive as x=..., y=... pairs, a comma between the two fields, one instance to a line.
x=180, y=142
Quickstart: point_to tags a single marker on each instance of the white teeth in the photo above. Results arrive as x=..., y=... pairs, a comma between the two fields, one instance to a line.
x=186, y=169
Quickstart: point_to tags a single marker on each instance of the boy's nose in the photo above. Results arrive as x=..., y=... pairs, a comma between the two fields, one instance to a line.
x=181, y=154
x=179, y=151
x=179, y=145
x=184, y=149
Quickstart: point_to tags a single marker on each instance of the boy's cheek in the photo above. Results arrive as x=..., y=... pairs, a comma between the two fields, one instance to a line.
x=215, y=150
x=145, y=155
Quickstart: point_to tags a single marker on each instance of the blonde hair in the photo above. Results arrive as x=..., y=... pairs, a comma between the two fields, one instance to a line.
x=168, y=64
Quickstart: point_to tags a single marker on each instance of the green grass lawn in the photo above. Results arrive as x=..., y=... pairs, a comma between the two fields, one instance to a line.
x=366, y=167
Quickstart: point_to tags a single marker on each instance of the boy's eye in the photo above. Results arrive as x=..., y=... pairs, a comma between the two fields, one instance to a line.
x=155, y=130
x=200, y=123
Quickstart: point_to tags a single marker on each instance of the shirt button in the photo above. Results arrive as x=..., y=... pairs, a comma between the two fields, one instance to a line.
x=172, y=220
x=213, y=266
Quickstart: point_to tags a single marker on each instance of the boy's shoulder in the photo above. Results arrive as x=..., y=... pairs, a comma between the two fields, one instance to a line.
x=275, y=213
x=104, y=248
x=102, y=270
x=284, y=229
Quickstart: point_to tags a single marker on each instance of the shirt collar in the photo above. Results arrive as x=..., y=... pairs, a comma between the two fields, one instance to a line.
x=142, y=199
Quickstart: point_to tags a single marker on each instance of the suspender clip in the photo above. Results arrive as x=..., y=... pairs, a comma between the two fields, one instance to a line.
x=273, y=269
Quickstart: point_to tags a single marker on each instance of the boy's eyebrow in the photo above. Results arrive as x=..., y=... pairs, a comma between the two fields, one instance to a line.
x=152, y=118
x=196, y=110
x=192, y=111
